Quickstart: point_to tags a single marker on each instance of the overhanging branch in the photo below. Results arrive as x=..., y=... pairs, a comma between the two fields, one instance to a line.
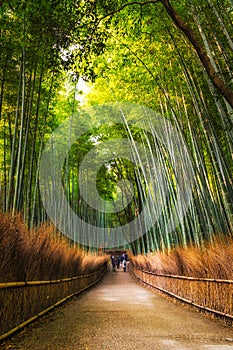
x=128, y=4
x=218, y=82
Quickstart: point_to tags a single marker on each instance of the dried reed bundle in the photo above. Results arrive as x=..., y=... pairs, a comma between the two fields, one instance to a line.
x=213, y=260
x=41, y=254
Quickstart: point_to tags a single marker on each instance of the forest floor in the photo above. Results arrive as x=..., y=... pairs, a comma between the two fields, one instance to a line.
x=119, y=313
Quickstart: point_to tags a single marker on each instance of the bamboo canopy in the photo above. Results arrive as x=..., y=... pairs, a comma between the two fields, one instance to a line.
x=142, y=160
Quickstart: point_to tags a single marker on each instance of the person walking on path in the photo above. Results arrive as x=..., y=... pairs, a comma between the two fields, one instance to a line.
x=113, y=262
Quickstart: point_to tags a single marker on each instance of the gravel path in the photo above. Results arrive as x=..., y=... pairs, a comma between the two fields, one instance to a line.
x=121, y=314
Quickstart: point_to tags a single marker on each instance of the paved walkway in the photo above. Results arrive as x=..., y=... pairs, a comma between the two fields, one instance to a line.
x=121, y=314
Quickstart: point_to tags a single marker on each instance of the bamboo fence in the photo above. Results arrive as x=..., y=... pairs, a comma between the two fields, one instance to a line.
x=23, y=302
x=211, y=295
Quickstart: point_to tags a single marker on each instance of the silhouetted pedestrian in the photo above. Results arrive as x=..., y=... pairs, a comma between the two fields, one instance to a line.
x=113, y=261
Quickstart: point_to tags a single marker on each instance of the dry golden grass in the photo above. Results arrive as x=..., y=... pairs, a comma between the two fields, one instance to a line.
x=39, y=255
x=213, y=260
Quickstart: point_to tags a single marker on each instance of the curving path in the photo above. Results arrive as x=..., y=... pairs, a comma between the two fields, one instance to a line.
x=121, y=314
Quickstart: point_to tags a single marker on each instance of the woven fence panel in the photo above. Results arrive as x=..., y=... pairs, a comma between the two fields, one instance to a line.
x=214, y=295
x=22, y=301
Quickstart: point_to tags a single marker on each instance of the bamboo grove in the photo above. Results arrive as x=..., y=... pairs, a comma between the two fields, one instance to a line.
x=170, y=57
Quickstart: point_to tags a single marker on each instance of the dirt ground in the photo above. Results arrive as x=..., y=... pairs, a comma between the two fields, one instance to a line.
x=121, y=314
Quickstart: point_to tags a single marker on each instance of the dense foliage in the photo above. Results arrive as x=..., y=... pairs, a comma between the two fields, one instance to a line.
x=173, y=57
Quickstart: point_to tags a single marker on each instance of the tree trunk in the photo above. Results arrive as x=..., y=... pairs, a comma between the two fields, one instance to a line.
x=217, y=81
x=20, y=146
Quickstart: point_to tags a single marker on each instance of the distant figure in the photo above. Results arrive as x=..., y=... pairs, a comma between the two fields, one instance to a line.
x=124, y=261
x=126, y=257
x=124, y=265
x=113, y=261
x=118, y=262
